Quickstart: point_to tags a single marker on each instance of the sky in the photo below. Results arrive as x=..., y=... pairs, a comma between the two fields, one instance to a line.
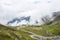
x=10, y=9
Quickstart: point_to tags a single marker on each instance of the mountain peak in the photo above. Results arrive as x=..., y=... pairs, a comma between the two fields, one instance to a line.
x=18, y=20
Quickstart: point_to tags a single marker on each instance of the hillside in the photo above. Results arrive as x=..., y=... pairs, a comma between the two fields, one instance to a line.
x=51, y=30
x=44, y=32
x=11, y=33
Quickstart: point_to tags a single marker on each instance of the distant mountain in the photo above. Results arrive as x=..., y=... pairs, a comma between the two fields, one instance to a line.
x=56, y=15
x=32, y=21
x=18, y=20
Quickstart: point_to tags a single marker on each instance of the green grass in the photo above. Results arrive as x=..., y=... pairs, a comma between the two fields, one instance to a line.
x=45, y=30
x=53, y=29
x=11, y=33
x=36, y=30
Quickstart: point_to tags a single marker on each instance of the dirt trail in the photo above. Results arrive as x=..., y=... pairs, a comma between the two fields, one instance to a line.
x=38, y=37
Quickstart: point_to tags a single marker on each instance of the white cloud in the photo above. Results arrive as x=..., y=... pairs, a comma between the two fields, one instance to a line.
x=36, y=8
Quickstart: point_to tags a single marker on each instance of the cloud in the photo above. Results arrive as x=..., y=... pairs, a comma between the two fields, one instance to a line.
x=10, y=9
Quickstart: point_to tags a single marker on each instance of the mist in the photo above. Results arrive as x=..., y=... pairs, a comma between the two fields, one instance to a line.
x=37, y=9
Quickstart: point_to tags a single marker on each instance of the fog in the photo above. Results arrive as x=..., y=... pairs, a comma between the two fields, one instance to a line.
x=37, y=9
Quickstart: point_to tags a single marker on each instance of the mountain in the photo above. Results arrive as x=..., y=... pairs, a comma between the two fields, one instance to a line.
x=56, y=15
x=18, y=20
x=30, y=20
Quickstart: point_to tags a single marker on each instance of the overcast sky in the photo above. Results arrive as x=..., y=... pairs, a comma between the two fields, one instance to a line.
x=10, y=9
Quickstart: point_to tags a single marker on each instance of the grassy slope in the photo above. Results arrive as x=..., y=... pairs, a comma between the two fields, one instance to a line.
x=53, y=29
x=45, y=30
x=9, y=33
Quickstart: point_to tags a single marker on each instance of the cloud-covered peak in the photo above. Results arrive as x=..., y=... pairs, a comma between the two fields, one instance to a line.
x=10, y=9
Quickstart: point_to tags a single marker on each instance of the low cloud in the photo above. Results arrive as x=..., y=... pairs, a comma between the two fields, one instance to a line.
x=10, y=9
